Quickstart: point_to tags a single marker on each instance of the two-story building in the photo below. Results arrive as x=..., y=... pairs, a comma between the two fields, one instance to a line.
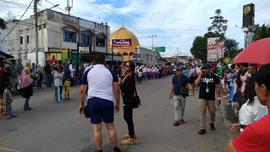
x=60, y=37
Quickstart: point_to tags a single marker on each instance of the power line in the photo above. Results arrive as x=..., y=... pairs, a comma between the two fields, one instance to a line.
x=18, y=21
x=55, y=4
x=14, y=3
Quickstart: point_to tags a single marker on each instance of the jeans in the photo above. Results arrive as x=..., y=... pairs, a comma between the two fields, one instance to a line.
x=128, y=116
x=8, y=108
x=58, y=93
x=179, y=107
x=26, y=103
x=48, y=78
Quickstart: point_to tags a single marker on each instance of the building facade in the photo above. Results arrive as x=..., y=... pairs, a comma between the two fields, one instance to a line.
x=148, y=56
x=60, y=36
x=125, y=44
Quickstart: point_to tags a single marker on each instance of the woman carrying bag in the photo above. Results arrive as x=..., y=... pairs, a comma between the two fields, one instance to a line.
x=128, y=89
x=26, y=87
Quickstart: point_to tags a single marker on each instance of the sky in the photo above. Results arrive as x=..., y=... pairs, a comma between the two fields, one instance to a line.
x=175, y=22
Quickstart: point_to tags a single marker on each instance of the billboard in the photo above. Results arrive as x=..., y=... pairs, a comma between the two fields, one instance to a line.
x=215, y=49
x=121, y=43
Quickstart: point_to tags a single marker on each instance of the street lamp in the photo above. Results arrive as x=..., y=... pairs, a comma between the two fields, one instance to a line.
x=152, y=37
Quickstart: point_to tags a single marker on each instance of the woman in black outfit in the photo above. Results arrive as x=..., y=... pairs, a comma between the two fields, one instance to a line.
x=128, y=90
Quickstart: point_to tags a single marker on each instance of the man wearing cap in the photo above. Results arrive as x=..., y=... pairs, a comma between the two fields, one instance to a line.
x=179, y=81
x=209, y=86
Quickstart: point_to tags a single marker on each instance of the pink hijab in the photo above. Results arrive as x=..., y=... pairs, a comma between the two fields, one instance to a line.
x=26, y=78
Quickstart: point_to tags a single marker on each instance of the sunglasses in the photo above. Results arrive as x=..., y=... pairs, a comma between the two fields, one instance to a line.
x=127, y=66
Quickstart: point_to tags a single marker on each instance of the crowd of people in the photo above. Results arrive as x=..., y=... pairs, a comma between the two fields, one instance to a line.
x=247, y=88
x=246, y=85
x=19, y=79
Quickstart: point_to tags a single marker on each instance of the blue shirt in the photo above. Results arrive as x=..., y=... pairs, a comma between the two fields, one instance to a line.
x=179, y=82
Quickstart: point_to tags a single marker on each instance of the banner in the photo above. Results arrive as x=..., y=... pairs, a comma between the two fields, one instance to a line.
x=215, y=49
x=121, y=43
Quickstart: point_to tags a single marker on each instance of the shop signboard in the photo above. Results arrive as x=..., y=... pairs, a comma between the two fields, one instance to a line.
x=121, y=43
x=136, y=56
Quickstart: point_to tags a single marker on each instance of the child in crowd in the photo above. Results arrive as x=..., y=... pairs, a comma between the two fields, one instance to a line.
x=67, y=88
x=2, y=108
x=7, y=97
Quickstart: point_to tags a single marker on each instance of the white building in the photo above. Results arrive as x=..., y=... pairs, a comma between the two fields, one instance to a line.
x=148, y=56
x=60, y=36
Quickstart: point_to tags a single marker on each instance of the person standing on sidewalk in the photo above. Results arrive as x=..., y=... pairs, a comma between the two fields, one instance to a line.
x=209, y=86
x=179, y=83
x=102, y=85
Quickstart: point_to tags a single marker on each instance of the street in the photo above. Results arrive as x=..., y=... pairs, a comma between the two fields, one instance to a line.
x=52, y=127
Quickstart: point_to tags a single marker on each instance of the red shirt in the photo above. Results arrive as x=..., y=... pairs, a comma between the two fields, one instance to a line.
x=255, y=137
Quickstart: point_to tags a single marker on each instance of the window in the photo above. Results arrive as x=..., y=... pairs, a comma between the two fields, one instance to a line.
x=21, y=40
x=27, y=39
x=85, y=39
x=70, y=36
x=100, y=42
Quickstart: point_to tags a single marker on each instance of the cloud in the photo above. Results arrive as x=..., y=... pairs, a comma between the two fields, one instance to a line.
x=176, y=22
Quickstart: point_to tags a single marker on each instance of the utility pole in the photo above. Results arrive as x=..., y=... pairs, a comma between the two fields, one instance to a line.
x=69, y=6
x=178, y=54
x=36, y=28
x=152, y=37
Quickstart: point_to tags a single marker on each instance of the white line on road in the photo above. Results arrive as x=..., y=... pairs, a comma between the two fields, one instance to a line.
x=9, y=150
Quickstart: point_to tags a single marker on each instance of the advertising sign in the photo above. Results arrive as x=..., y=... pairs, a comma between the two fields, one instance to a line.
x=121, y=43
x=215, y=49
x=136, y=56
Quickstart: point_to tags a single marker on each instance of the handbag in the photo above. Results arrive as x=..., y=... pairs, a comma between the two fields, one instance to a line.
x=183, y=90
x=136, y=101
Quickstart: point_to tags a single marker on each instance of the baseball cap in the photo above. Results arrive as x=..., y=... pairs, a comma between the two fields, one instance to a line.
x=207, y=66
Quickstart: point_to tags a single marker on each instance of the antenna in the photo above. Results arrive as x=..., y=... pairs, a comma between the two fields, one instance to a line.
x=69, y=6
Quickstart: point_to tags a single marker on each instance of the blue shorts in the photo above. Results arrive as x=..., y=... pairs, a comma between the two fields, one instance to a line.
x=101, y=110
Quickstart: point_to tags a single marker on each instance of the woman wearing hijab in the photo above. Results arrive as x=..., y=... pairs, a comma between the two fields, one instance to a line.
x=128, y=89
x=26, y=87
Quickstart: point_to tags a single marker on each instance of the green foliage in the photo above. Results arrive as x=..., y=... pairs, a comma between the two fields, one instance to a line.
x=261, y=32
x=199, y=48
x=3, y=24
x=219, y=24
x=231, y=48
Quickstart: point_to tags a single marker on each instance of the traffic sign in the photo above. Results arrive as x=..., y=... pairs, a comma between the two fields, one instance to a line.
x=160, y=49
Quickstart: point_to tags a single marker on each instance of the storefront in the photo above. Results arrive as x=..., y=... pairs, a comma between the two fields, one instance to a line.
x=63, y=55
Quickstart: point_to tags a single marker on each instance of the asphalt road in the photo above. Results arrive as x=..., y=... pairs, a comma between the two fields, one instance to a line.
x=51, y=127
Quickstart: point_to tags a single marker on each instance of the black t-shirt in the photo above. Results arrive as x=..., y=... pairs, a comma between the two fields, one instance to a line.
x=208, y=87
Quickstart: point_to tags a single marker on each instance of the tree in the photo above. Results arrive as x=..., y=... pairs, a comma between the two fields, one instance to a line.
x=3, y=24
x=261, y=32
x=199, y=48
x=231, y=48
x=219, y=24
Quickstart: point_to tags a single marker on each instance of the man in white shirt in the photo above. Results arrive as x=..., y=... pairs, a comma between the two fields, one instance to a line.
x=102, y=87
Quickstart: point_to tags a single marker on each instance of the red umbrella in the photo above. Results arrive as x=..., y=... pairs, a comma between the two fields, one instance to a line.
x=257, y=52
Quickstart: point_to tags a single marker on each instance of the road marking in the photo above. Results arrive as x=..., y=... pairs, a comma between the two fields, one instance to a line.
x=9, y=150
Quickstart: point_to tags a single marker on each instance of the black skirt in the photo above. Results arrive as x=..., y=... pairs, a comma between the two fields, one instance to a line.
x=27, y=92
